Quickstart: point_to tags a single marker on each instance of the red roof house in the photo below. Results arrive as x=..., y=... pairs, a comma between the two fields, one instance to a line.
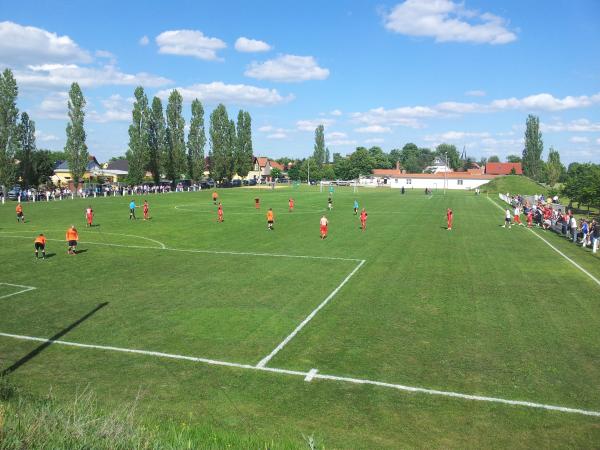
x=492, y=168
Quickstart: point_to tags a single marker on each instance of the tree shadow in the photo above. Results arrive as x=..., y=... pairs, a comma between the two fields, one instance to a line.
x=36, y=351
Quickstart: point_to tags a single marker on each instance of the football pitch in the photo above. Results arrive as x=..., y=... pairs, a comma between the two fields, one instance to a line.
x=405, y=335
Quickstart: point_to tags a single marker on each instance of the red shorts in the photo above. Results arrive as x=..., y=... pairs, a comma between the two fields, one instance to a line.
x=323, y=229
x=89, y=219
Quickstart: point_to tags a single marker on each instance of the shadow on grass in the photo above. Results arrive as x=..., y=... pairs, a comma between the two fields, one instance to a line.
x=36, y=351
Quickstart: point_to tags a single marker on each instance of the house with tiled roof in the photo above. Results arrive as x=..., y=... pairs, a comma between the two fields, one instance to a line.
x=63, y=176
x=492, y=168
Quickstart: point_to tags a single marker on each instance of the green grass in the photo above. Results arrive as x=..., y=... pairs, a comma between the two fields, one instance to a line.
x=515, y=184
x=479, y=310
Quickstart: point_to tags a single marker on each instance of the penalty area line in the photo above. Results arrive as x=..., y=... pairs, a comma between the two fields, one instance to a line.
x=22, y=291
x=266, y=359
x=594, y=279
x=313, y=374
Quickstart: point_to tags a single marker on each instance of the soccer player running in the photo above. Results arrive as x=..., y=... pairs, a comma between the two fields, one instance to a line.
x=19, y=211
x=507, y=219
x=132, y=210
x=40, y=245
x=215, y=197
x=146, y=209
x=324, y=227
x=363, y=219
x=291, y=204
x=220, y=213
x=449, y=219
x=517, y=216
x=329, y=203
x=89, y=216
x=270, y=219
x=72, y=236
x=355, y=207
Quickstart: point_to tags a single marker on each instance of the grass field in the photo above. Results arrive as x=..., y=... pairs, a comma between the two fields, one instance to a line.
x=479, y=310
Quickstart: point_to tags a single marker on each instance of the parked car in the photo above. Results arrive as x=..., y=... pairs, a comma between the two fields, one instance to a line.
x=14, y=193
x=236, y=183
x=252, y=182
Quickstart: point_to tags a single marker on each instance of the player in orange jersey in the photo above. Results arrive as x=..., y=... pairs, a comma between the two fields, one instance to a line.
x=19, y=211
x=215, y=197
x=40, y=244
x=449, y=218
x=291, y=204
x=270, y=219
x=72, y=237
x=220, y=213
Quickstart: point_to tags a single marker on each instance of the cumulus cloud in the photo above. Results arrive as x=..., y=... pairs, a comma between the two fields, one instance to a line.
x=116, y=109
x=144, y=41
x=237, y=94
x=341, y=142
x=446, y=21
x=48, y=76
x=53, y=106
x=579, y=125
x=455, y=136
x=189, y=43
x=265, y=128
x=336, y=112
x=21, y=45
x=287, y=68
x=373, y=129
x=336, y=135
x=277, y=135
x=374, y=141
x=41, y=136
x=310, y=125
x=246, y=45
x=579, y=140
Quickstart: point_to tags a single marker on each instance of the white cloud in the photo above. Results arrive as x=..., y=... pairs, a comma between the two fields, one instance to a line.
x=579, y=140
x=341, y=142
x=373, y=129
x=447, y=21
x=189, y=43
x=20, y=45
x=546, y=102
x=598, y=141
x=237, y=94
x=287, y=68
x=579, y=125
x=278, y=135
x=246, y=45
x=455, y=136
x=265, y=128
x=375, y=141
x=475, y=93
x=310, y=125
x=40, y=136
x=49, y=76
x=336, y=112
x=116, y=109
x=53, y=106
x=144, y=40
x=336, y=135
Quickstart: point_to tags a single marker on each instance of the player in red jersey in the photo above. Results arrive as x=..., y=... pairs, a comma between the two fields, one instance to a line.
x=89, y=216
x=324, y=227
x=220, y=213
x=291, y=204
x=146, y=209
x=363, y=219
x=449, y=218
x=529, y=218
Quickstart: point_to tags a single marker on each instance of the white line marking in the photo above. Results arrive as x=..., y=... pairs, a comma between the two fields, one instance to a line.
x=266, y=359
x=26, y=289
x=187, y=250
x=310, y=375
x=319, y=376
x=596, y=280
x=255, y=212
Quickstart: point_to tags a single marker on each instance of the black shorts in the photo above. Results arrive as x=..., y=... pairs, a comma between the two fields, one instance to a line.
x=507, y=219
x=132, y=211
x=270, y=222
x=72, y=243
x=40, y=246
x=19, y=214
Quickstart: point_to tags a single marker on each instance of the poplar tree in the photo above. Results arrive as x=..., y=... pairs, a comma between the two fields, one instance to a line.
x=243, y=150
x=196, y=142
x=26, y=149
x=156, y=139
x=176, y=157
x=319, y=153
x=75, y=147
x=138, y=152
x=8, y=128
x=219, y=134
x=534, y=146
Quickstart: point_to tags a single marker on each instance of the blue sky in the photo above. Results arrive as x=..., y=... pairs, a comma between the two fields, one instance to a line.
x=381, y=73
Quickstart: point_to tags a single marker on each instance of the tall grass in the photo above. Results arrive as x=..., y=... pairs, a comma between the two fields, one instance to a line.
x=29, y=422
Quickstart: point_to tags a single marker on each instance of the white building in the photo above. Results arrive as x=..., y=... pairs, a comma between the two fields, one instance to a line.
x=449, y=180
x=438, y=166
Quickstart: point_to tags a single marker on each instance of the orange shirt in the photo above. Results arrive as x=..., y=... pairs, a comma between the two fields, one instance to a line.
x=72, y=235
x=19, y=209
x=40, y=240
x=270, y=215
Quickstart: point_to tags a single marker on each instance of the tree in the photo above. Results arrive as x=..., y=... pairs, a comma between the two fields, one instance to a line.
x=493, y=159
x=176, y=160
x=327, y=155
x=231, y=150
x=219, y=134
x=75, y=147
x=8, y=128
x=554, y=168
x=361, y=163
x=138, y=153
x=42, y=166
x=583, y=184
x=328, y=172
x=513, y=159
x=243, y=150
x=26, y=150
x=319, y=153
x=380, y=159
x=196, y=142
x=449, y=151
x=156, y=139
x=294, y=171
x=275, y=173
x=534, y=146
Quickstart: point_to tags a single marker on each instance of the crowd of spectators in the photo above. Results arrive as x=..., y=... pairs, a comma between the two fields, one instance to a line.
x=550, y=215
